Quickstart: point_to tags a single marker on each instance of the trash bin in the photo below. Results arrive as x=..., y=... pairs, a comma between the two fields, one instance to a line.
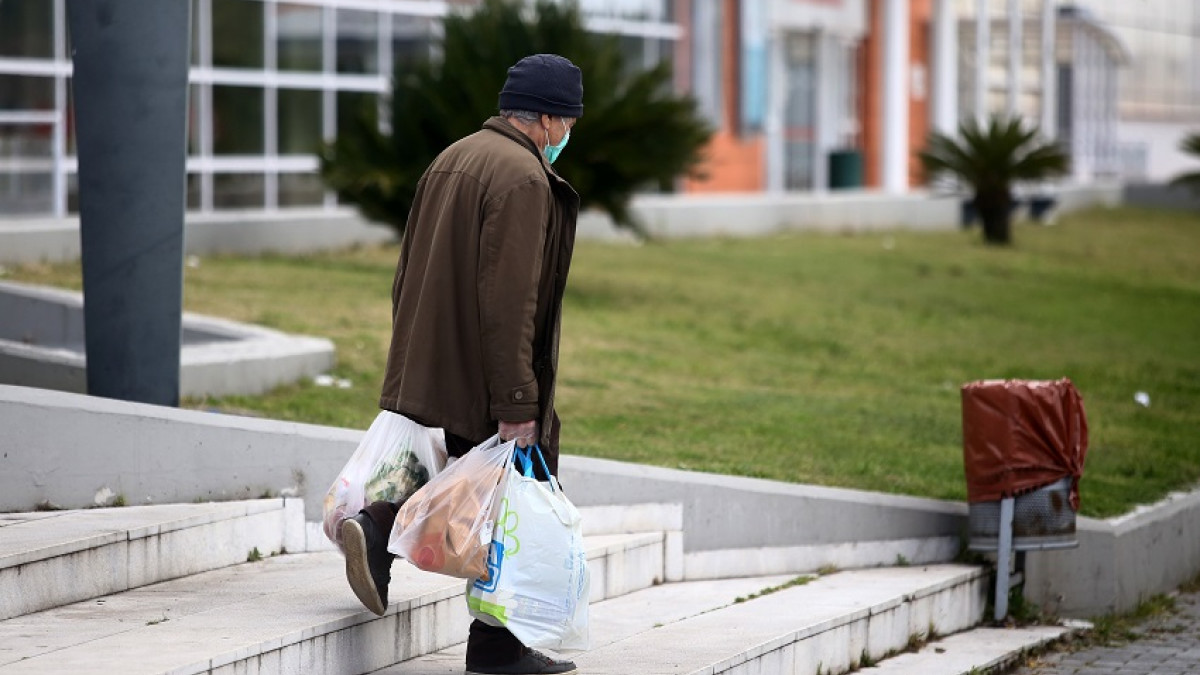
x=1024, y=444
x=845, y=169
x=1023, y=439
x=1042, y=520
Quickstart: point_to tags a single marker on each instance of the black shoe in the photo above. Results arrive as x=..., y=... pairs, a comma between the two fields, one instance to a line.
x=368, y=562
x=532, y=662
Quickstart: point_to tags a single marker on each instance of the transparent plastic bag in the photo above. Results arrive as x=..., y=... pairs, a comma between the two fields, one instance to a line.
x=446, y=527
x=538, y=580
x=395, y=457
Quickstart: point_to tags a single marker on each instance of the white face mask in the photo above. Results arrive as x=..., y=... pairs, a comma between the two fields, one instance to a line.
x=553, y=151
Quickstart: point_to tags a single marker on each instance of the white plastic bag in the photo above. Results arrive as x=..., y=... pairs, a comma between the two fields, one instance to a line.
x=395, y=457
x=446, y=527
x=538, y=582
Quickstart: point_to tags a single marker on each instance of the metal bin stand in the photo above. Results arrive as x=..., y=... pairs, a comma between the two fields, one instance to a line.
x=1040, y=520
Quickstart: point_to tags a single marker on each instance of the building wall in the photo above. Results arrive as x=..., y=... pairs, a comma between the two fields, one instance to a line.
x=734, y=161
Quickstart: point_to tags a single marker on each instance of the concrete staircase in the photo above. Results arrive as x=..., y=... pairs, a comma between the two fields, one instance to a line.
x=245, y=587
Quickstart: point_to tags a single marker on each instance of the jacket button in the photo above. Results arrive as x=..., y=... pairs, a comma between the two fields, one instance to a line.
x=519, y=395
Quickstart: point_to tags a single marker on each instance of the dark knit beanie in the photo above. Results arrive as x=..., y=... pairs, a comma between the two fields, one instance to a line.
x=544, y=83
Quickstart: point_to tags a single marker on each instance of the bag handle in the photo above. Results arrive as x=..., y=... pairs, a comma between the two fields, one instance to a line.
x=525, y=455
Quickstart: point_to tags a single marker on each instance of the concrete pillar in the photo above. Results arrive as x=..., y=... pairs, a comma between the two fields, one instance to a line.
x=130, y=87
x=1015, y=57
x=983, y=44
x=895, y=95
x=1049, y=109
x=776, y=101
x=945, y=68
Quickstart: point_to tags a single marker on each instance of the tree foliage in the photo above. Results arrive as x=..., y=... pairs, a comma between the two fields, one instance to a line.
x=1191, y=146
x=635, y=132
x=990, y=158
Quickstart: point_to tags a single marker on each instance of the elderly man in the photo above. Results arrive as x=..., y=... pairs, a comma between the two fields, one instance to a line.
x=476, y=307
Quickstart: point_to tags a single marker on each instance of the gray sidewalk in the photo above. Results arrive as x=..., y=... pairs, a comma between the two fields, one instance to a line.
x=1168, y=645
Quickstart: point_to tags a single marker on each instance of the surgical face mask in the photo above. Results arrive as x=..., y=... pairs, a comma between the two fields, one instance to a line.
x=553, y=151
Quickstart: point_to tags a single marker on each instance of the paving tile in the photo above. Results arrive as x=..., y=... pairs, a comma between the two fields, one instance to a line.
x=1168, y=645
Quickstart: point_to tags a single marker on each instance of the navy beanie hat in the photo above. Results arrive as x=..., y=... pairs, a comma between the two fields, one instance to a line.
x=544, y=83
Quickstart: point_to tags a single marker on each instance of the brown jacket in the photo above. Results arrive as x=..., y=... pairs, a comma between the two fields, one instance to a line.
x=477, y=297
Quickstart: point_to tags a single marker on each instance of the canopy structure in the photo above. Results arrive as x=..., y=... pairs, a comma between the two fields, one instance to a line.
x=1019, y=435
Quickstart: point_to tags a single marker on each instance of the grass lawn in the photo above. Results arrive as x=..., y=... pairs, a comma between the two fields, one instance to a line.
x=829, y=359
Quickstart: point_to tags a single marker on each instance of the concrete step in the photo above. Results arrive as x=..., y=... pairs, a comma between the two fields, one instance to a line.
x=285, y=614
x=622, y=618
x=975, y=652
x=49, y=559
x=829, y=625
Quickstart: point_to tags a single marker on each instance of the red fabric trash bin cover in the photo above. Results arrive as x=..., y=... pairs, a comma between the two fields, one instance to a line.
x=1019, y=435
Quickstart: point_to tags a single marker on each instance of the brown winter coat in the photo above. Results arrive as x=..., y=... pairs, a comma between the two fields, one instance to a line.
x=477, y=296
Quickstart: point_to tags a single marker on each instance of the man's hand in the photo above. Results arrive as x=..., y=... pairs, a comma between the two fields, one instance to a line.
x=524, y=433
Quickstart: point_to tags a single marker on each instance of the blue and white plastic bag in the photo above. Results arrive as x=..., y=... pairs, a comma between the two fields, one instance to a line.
x=538, y=581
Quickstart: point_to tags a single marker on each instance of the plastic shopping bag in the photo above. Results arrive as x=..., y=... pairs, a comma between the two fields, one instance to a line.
x=446, y=527
x=395, y=457
x=538, y=582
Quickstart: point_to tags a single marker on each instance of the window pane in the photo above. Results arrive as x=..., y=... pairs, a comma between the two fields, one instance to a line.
x=633, y=48
x=237, y=120
x=237, y=33
x=71, y=147
x=411, y=39
x=25, y=92
x=194, y=119
x=26, y=193
x=300, y=43
x=707, y=51
x=28, y=141
x=195, y=32
x=351, y=106
x=357, y=41
x=238, y=191
x=299, y=121
x=73, y=193
x=193, y=192
x=27, y=28
x=301, y=189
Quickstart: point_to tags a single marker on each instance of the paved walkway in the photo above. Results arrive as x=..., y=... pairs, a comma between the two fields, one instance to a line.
x=1170, y=645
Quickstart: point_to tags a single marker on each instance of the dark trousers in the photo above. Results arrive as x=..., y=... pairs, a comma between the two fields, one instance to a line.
x=486, y=645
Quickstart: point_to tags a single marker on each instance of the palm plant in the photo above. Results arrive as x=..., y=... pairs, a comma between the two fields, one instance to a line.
x=635, y=132
x=1191, y=146
x=990, y=158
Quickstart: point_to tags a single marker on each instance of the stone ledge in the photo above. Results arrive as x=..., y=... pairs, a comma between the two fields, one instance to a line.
x=77, y=555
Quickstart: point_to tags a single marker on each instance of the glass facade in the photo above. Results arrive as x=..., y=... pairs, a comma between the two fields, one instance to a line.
x=1160, y=84
x=300, y=39
x=1163, y=81
x=27, y=30
x=270, y=80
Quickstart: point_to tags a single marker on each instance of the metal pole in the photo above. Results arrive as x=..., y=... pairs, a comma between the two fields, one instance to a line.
x=59, y=135
x=130, y=86
x=1004, y=557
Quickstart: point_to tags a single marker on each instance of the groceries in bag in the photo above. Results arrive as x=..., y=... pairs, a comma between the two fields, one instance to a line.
x=395, y=457
x=446, y=526
x=538, y=580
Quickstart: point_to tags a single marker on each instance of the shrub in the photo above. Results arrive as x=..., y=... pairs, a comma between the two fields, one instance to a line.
x=635, y=133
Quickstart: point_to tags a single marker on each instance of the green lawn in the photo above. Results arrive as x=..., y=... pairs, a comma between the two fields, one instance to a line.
x=829, y=359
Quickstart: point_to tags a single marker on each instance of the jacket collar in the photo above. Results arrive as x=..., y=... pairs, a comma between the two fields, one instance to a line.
x=506, y=129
